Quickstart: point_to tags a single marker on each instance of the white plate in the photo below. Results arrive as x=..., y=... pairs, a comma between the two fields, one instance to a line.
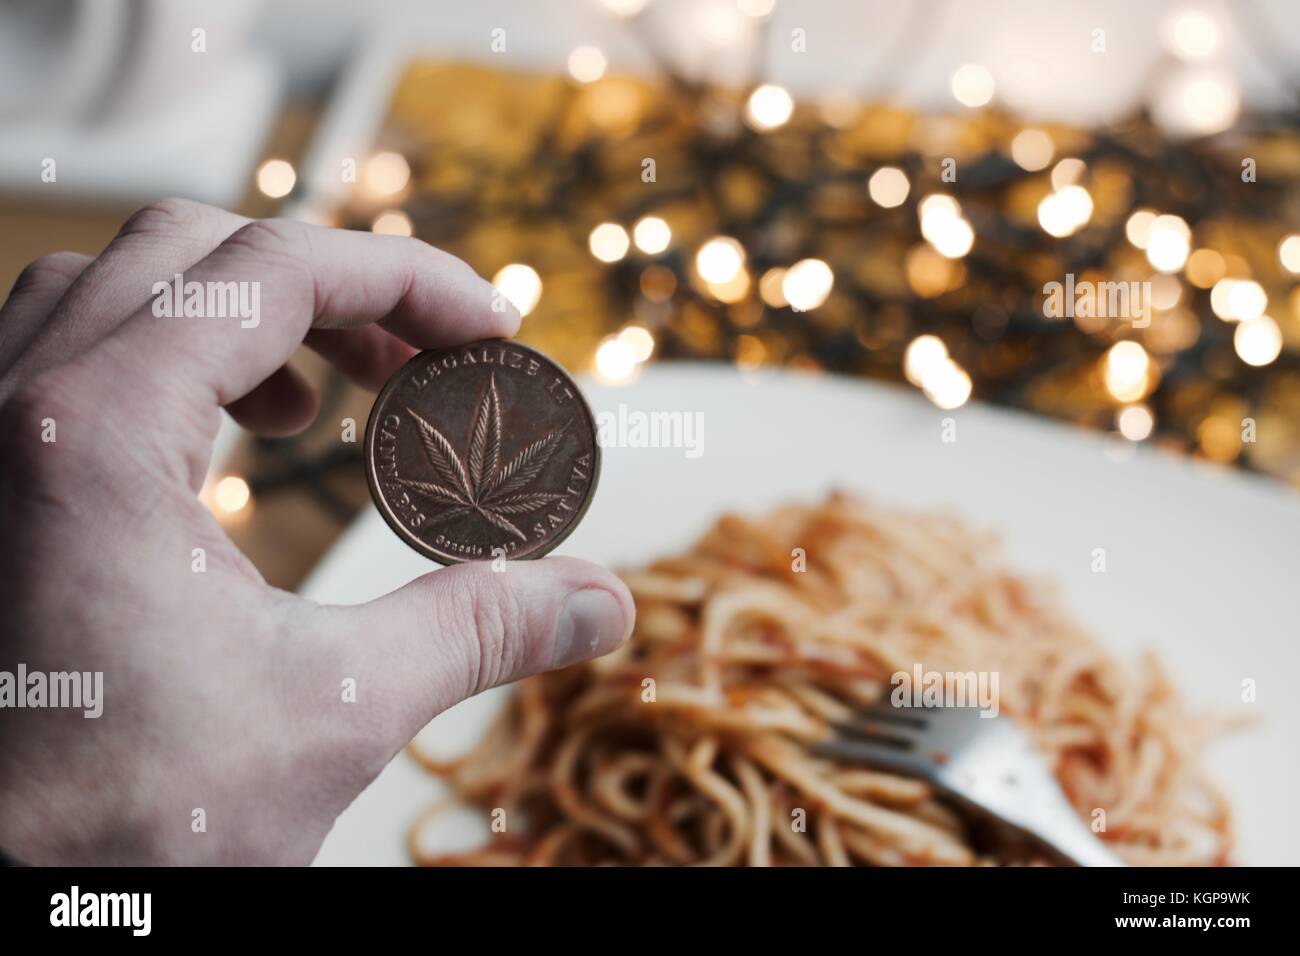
x=1201, y=561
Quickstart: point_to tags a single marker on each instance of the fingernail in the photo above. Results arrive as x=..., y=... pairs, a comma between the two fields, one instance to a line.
x=590, y=624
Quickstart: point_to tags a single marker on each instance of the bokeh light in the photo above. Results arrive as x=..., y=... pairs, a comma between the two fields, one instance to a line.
x=1032, y=150
x=1288, y=253
x=1234, y=300
x=276, y=178
x=719, y=260
x=1128, y=371
x=587, y=64
x=972, y=85
x=923, y=353
x=1191, y=34
x=1135, y=422
x=1258, y=341
x=615, y=361
x=231, y=494
x=1138, y=227
x=1065, y=211
x=639, y=339
x=807, y=283
x=768, y=107
x=393, y=222
x=651, y=235
x=1169, y=243
x=386, y=174
x=520, y=284
x=888, y=187
x=609, y=242
x=1068, y=172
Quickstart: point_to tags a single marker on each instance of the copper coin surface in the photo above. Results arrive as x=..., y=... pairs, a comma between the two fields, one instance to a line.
x=480, y=452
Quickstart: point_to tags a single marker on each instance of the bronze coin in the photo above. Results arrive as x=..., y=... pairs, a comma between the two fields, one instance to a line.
x=482, y=451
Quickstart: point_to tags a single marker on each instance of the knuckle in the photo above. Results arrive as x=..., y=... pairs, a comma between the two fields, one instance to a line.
x=495, y=617
x=277, y=237
x=57, y=267
x=282, y=244
x=30, y=420
x=165, y=216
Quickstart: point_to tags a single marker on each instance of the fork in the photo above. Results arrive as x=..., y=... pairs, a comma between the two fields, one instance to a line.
x=986, y=766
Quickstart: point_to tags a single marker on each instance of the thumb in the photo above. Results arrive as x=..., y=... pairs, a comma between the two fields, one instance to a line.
x=456, y=632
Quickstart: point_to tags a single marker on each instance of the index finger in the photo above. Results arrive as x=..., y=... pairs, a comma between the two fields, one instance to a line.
x=272, y=281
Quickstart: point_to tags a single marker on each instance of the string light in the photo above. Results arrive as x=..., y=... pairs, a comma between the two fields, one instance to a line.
x=1065, y=212
x=719, y=260
x=946, y=384
x=1166, y=291
x=769, y=107
x=1258, y=341
x=1128, y=371
x=386, y=174
x=928, y=273
x=393, y=222
x=1032, y=150
x=1205, y=267
x=639, y=339
x=1068, y=172
x=1135, y=422
x=935, y=208
x=276, y=178
x=770, y=288
x=1236, y=300
x=587, y=64
x=1169, y=242
x=943, y=227
x=1288, y=252
x=807, y=283
x=731, y=290
x=953, y=238
x=704, y=296
x=230, y=498
x=651, y=235
x=521, y=285
x=888, y=187
x=1191, y=34
x=615, y=361
x=923, y=353
x=609, y=242
x=1197, y=102
x=972, y=85
x=1138, y=227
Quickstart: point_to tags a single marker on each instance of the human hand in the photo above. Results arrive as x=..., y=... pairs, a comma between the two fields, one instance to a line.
x=221, y=693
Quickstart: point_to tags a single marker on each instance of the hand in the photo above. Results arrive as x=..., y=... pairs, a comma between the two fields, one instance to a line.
x=220, y=693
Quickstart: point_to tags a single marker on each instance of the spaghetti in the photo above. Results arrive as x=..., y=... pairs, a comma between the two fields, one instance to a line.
x=688, y=746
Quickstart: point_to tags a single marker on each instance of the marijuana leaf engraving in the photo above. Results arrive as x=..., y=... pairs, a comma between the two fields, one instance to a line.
x=483, y=485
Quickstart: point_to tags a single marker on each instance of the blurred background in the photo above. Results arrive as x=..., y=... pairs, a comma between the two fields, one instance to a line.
x=885, y=190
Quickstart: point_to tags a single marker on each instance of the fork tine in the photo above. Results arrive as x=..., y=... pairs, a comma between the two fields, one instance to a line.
x=884, y=710
x=872, y=753
x=866, y=728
